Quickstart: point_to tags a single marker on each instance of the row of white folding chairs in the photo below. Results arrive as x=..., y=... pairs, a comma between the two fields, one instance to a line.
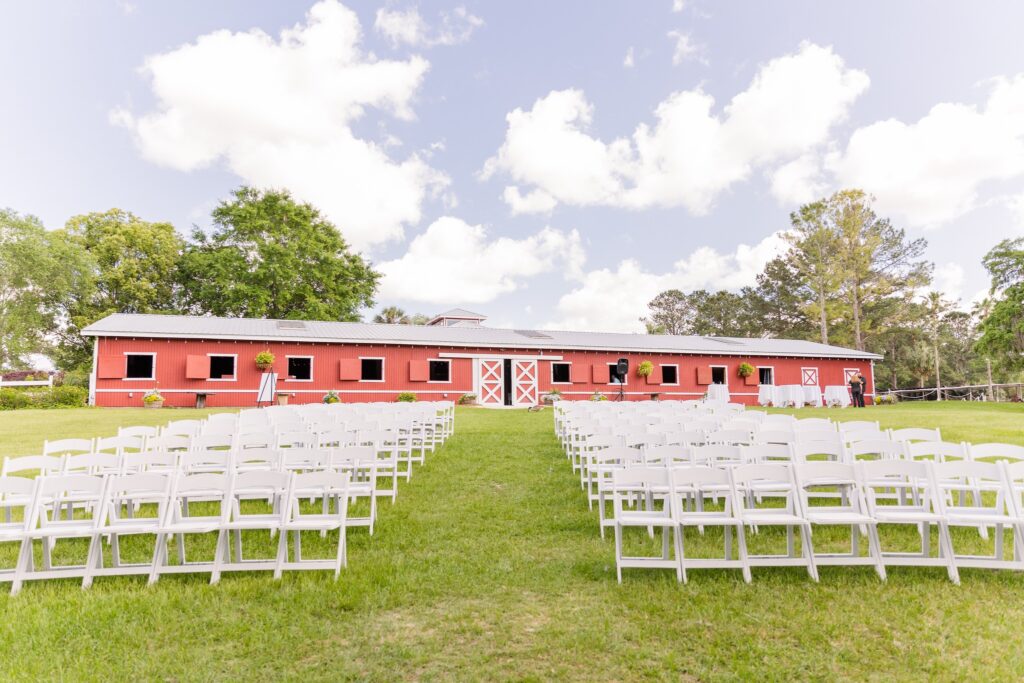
x=943, y=495
x=386, y=470
x=107, y=506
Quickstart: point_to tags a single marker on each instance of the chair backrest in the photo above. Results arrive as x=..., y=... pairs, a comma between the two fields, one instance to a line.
x=637, y=478
x=92, y=463
x=302, y=458
x=296, y=439
x=939, y=451
x=142, y=431
x=667, y=455
x=915, y=434
x=347, y=455
x=140, y=486
x=182, y=428
x=816, y=424
x=259, y=483
x=320, y=483
x=205, y=461
x=67, y=446
x=858, y=425
x=188, y=483
x=736, y=437
x=770, y=452
x=263, y=438
x=771, y=481
x=119, y=444
x=169, y=442
x=996, y=451
x=212, y=442
x=876, y=449
x=819, y=450
x=46, y=464
x=820, y=435
x=812, y=477
x=151, y=461
x=257, y=459
x=717, y=454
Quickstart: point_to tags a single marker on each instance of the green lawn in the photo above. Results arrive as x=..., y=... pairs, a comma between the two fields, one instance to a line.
x=490, y=567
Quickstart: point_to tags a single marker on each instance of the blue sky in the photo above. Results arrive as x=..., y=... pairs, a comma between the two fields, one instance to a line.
x=550, y=164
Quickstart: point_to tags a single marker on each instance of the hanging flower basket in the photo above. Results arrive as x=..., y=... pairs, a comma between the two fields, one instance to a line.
x=264, y=360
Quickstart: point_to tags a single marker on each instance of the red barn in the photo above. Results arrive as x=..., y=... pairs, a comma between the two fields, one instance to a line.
x=212, y=360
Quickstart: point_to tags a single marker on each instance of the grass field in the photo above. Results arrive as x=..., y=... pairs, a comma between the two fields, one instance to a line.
x=490, y=567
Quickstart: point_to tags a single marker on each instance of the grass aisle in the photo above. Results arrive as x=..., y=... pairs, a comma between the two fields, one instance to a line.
x=490, y=567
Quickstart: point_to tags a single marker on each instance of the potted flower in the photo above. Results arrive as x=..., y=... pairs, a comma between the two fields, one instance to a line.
x=332, y=397
x=264, y=360
x=598, y=396
x=467, y=400
x=152, y=399
x=406, y=397
x=552, y=396
x=645, y=371
x=282, y=398
x=746, y=371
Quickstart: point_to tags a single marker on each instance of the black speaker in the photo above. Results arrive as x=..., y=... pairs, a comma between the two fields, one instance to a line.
x=622, y=368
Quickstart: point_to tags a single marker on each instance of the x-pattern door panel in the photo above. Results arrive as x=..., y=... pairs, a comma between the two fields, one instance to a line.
x=492, y=382
x=524, y=385
x=809, y=377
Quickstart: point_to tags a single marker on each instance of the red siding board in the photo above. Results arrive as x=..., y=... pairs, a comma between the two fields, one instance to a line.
x=110, y=367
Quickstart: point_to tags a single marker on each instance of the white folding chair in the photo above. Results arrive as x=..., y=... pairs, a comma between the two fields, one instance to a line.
x=214, y=490
x=689, y=487
x=333, y=488
x=914, y=506
x=629, y=485
x=913, y=434
x=257, y=501
x=996, y=451
x=757, y=491
x=16, y=497
x=850, y=511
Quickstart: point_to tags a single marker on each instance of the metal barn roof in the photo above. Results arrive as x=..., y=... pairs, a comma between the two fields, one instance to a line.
x=246, y=329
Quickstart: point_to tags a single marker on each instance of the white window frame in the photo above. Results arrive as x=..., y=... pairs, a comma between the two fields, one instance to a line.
x=560, y=362
x=139, y=379
x=311, y=369
x=439, y=360
x=767, y=367
x=234, y=378
x=383, y=369
x=725, y=369
x=669, y=365
x=616, y=384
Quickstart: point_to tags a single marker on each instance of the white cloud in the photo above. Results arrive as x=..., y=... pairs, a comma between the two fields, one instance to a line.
x=614, y=300
x=686, y=49
x=798, y=181
x=932, y=171
x=948, y=279
x=408, y=27
x=454, y=262
x=691, y=154
x=678, y=5
x=629, y=62
x=1016, y=206
x=279, y=114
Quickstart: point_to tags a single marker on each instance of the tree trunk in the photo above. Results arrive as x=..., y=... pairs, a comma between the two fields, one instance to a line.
x=938, y=380
x=823, y=318
x=855, y=291
x=988, y=372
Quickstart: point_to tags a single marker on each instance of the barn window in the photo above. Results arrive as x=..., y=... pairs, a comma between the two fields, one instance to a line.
x=670, y=374
x=718, y=374
x=560, y=373
x=300, y=368
x=766, y=375
x=222, y=367
x=139, y=365
x=613, y=377
x=440, y=371
x=372, y=369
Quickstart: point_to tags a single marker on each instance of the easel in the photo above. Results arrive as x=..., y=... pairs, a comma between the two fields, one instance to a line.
x=268, y=388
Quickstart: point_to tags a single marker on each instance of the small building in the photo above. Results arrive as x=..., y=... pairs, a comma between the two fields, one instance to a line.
x=212, y=360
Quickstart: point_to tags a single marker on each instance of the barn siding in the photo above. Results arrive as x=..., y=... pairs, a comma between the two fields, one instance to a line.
x=171, y=358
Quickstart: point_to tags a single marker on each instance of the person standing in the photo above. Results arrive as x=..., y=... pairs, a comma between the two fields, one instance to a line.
x=857, y=389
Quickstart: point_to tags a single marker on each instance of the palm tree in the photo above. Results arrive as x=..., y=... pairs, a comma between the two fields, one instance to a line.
x=391, y=314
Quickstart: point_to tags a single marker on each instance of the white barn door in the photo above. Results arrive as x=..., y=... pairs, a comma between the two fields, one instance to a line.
x=524, y=382
x=492, y=382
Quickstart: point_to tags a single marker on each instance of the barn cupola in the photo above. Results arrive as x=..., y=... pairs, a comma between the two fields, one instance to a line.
x=457, y=317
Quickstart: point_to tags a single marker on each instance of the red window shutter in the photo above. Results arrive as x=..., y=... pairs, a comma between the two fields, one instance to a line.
x=110, y=367
x=600, y=373
x=704, y=375
x=349, y=369
x=752, y=380
x=419, y=371
x=197, y=367
x=578, y=373
x=655, y=376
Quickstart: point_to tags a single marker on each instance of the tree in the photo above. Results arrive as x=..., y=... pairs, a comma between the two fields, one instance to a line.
x=671, y=312
x=134, y=268
x=814, y=257
x=878, y=262
x=392, y=314
x=937, y=309
x=38, y=271
x=778, y=303
x=272, y=257
x=1002, y=324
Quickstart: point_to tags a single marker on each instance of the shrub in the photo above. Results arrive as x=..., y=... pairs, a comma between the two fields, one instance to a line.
x=885, y=399
x=70, y=396
x=645, y=369
x=332, y=397
x=12, y=399
x=406, y=397
x=467, y=399
x=745, y=370
x=73, y=378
